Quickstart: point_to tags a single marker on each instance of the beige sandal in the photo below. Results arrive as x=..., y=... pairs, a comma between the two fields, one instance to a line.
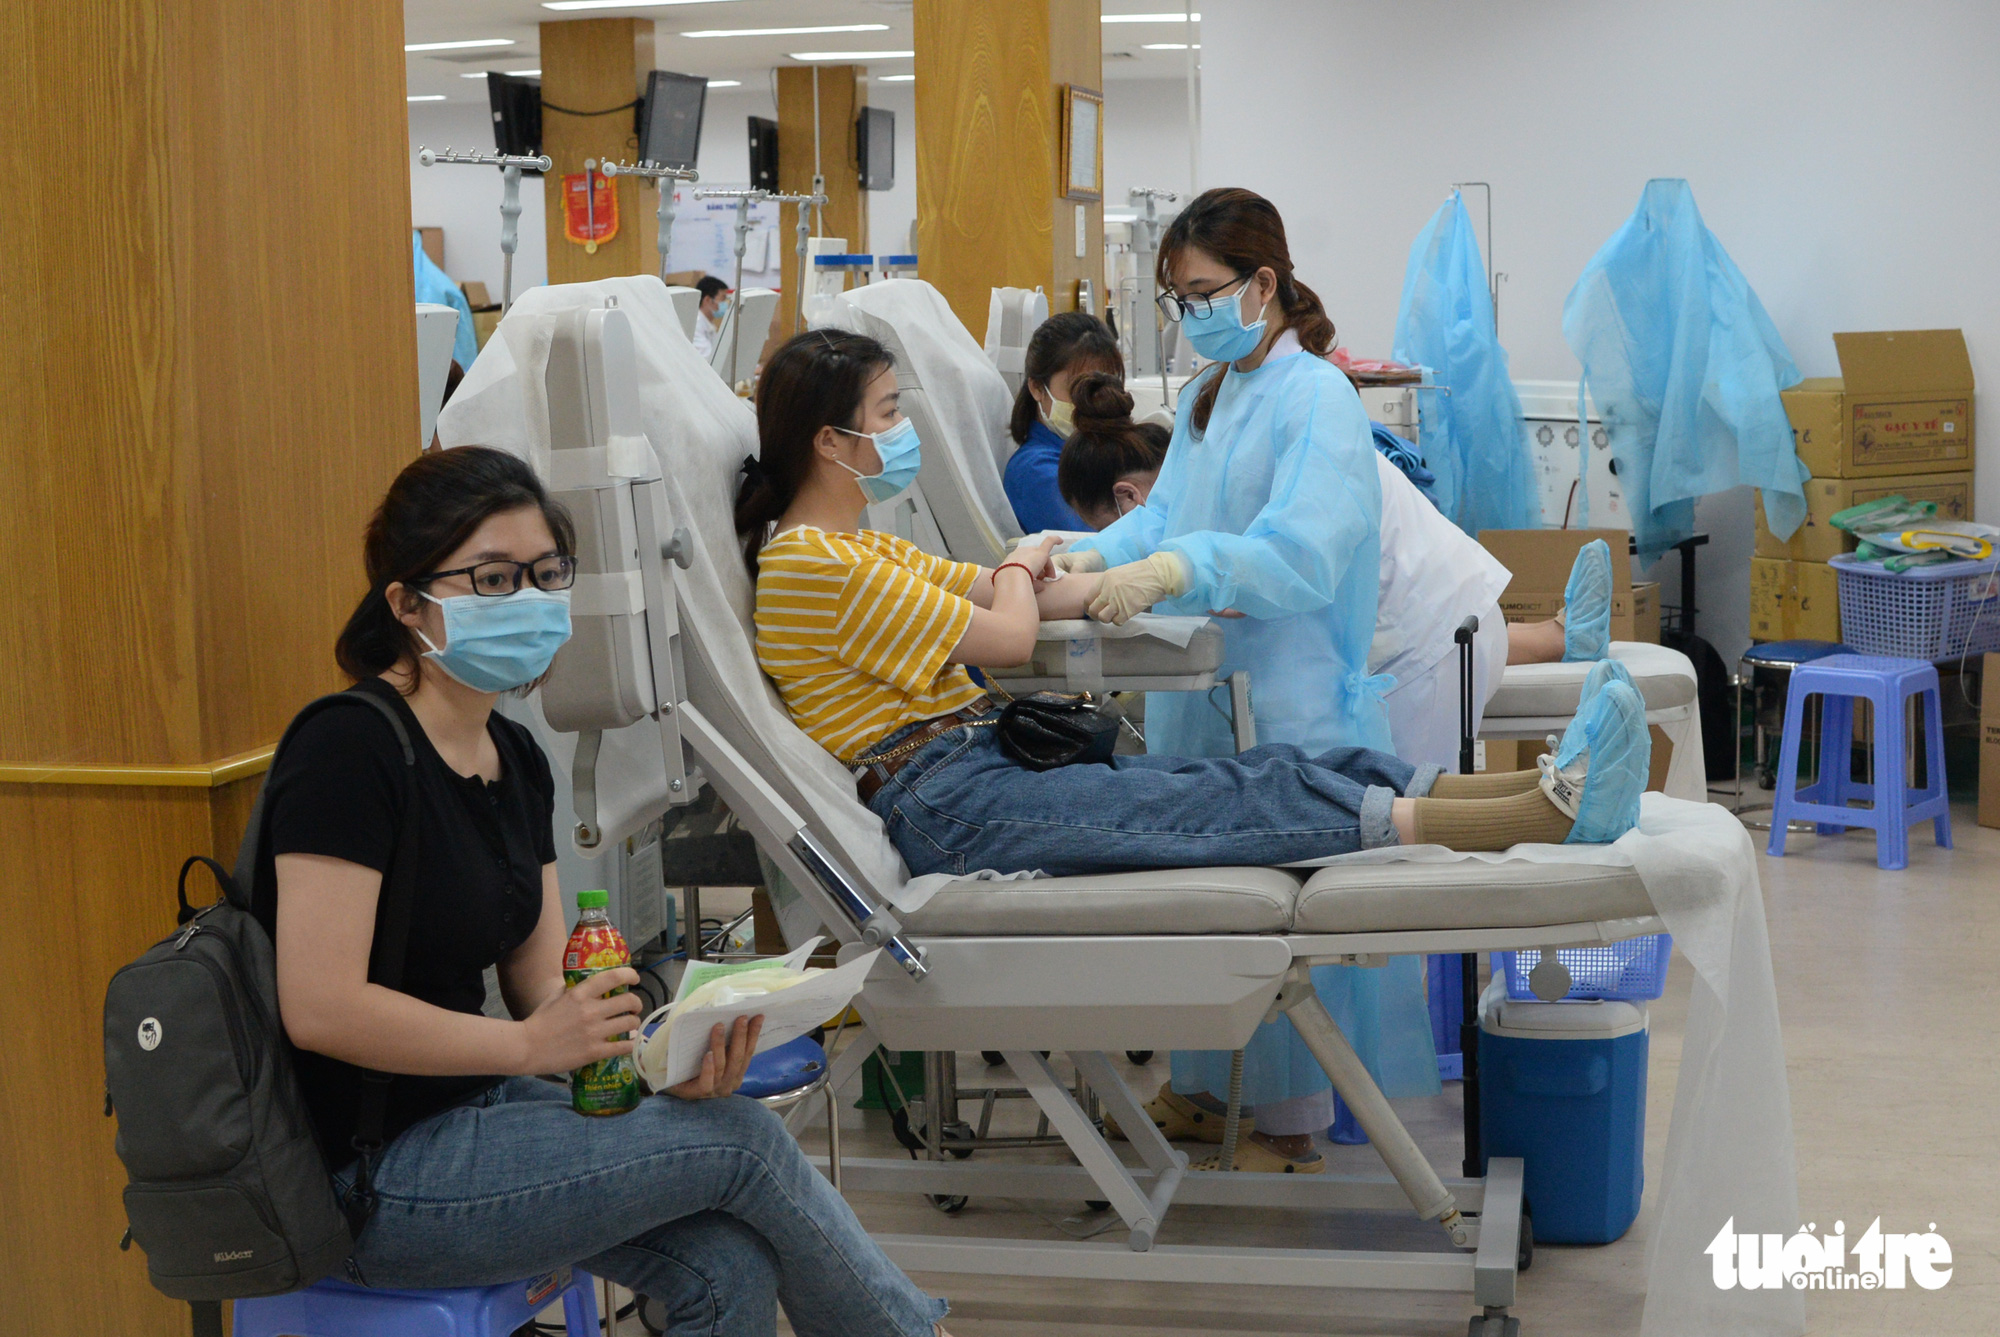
x=1257, y=1158
x=1181, y=1120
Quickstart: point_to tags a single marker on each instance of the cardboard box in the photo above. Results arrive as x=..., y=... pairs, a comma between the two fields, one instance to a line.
x=1902, y=404
x=1770, y=580
x=1989, y=742
x=433, y=239
x=1793, y=601
x=1814, y=610
x=484, y=323
x=1818, y=541
x=1540, y=560
x=476, y=296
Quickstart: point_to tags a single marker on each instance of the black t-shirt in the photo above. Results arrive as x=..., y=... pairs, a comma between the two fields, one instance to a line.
x=338, y=789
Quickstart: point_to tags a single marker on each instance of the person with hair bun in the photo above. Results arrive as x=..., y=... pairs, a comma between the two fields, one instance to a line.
x=1110, y=462
x=1063, y=347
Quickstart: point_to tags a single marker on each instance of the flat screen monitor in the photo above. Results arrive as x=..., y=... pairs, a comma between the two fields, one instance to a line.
x=763, y=154
x=670, y=120
x=517, y=114
x=875, y=147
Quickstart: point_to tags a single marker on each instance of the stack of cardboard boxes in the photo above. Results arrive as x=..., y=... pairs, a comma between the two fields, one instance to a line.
x=1896, y=421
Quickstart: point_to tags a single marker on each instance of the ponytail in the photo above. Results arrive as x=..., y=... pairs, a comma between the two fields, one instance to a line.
x=1243, y=231
x=1073, y=341
x=1107, y=445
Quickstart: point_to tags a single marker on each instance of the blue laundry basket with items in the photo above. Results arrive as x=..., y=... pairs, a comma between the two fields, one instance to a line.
x=1634, y=970
x=1928, y=612
x=1563, y=1087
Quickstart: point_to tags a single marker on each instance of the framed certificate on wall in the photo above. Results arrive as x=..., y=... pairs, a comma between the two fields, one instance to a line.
x=1082, y=143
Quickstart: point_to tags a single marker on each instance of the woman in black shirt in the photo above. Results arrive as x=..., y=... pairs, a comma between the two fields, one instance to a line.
x=697, y=1198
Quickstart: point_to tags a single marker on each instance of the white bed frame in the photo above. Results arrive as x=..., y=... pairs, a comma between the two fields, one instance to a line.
x=1086, y=995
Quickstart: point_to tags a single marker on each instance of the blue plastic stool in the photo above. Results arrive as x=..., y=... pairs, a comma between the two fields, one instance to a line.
x=1887, y=684
x=786, y=1074
x=336, y=1309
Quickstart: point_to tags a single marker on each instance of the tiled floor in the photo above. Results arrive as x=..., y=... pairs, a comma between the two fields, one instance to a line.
x=1887, y=987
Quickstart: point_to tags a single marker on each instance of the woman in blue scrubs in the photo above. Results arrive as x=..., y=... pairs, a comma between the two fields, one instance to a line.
x=1062, y=348
x=1267, y=510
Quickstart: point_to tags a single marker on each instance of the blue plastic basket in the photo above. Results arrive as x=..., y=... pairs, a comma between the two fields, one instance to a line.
x=1634, y=970
x=1933, y=612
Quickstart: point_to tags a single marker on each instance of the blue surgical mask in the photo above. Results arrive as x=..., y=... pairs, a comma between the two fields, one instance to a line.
x=1221, y=335
x=901, y=455
x=496, y=645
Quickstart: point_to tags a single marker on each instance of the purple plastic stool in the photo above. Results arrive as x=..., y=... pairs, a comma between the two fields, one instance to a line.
x=1887, y=684
x=336, y=1309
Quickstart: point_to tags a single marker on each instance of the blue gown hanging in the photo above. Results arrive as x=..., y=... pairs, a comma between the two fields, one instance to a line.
x=434, y=285
x=1685, y=368
x=1472, y=437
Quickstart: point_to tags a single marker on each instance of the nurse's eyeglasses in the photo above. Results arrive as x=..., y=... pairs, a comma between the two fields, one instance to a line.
x=1199, y=304
x=499, y=578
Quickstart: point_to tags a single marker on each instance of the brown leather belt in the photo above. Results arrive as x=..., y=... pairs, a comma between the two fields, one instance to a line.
x=871, y=775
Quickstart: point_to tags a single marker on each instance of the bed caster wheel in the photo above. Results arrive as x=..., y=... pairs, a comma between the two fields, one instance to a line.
x=994, y=1058
x=652, y=1314
x=1495, y=1322
x=1097, y=1204
x=950, y=1206
x=1524, y=1252
x=1139, y=1056
x=957, y=1140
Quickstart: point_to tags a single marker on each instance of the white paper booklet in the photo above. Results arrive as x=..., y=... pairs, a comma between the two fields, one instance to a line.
x=672, y=1053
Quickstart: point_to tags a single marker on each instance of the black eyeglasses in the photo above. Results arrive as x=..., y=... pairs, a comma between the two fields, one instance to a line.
x=499, y=578
x=1198, y=303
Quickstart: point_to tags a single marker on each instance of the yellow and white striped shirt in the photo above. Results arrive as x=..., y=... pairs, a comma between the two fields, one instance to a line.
x=854, y=629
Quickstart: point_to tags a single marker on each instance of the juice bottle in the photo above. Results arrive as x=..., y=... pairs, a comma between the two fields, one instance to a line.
x=610, y=1085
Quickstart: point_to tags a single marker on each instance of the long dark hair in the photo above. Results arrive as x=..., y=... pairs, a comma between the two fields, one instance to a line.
x=1071, y=341
x=1242, y=230
x=814, y=380
x=432, y=508
x=1107, y=445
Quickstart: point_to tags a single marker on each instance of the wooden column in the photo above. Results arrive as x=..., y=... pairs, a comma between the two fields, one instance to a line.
x=589, y=65
x=990, y=205
x=843, y=92
x=206, y=316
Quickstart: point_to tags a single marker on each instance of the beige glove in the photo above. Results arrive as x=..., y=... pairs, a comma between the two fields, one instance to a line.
x=1137, y=586
x=1088, y=560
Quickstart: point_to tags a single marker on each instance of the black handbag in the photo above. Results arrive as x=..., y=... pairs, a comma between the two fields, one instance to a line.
x=1044, y=730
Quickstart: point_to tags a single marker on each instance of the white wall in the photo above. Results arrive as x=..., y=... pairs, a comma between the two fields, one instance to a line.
x=1145, y=137
x=1843, y=152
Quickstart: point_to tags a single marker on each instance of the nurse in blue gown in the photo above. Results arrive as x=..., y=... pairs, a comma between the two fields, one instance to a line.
x=1267, y=511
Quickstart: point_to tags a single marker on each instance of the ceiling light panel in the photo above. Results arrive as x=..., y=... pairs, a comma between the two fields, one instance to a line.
x=459, y=46
x=788, y=32
x=853, y=55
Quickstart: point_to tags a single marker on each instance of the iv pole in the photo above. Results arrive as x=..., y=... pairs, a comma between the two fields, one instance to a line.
x=744, y=199
x=1151, y=224
x=664, y=178
x=511, y=166
x=1493, y=276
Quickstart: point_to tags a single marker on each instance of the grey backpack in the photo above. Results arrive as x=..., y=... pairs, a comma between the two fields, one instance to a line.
x=228, y=1194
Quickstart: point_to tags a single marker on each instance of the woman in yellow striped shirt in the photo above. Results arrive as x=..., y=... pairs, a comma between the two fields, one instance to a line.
x=869, y=639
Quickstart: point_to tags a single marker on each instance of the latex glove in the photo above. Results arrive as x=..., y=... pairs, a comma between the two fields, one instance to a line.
x=1089, y=559
x=1137, y=586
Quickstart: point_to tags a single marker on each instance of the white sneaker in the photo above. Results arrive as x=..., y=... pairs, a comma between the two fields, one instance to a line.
x=1564, y=784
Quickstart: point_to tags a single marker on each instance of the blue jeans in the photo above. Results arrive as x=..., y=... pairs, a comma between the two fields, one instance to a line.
x=960, y=804
x=707, y=1205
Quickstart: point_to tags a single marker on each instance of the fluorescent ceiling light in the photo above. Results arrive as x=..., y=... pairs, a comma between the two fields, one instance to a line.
x=853, y=55
x=518, y=74
x=424, y=97
x=725, y=83
x=459, y=46
x=1151, y=18
x=621, y=4
x=1167, y=46
x=788, y=32
x=894, y=78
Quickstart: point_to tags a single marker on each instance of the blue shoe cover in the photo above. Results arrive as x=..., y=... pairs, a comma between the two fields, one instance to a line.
x=1609, y=735
x=1587, y=605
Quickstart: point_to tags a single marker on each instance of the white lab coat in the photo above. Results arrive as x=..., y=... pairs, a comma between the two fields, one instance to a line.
x=1433, y=578
x=704, y=333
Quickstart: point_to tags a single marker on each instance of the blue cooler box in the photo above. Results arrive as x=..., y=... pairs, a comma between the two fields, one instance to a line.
x=1563, y=1086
